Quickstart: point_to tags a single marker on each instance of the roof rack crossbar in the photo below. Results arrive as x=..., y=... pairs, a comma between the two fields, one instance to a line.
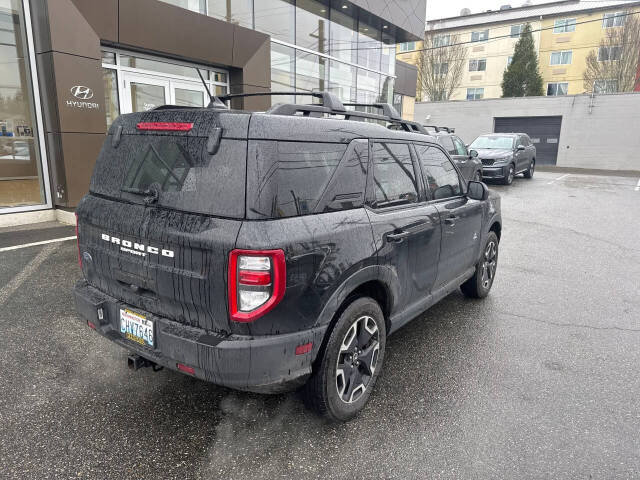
x=387, y=110
x=329, y=100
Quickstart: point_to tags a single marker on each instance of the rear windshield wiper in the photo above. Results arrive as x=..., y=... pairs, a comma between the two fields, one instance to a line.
x=151, y=194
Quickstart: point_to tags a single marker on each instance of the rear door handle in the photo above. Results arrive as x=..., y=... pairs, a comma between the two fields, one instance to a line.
x=397, y=237
x=451, y=220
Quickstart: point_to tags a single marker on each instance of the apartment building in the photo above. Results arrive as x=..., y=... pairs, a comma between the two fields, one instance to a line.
x=564, y=33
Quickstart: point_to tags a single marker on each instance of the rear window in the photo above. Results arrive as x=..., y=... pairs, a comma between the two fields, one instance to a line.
x=178, y=170
x=288, y=179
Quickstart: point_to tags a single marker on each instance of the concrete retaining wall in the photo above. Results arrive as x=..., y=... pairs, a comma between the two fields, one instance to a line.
x=602, y=132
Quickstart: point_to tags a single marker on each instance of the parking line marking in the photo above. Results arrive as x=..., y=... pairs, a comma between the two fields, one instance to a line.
x=559, y=178
x=637, y=189
x=43, y=242
x=31, y=267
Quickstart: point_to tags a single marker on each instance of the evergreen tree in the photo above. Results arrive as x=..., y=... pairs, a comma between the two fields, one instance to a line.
x=522, y=78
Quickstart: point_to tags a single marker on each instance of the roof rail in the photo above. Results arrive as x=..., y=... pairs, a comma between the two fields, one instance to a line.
x=332, y=105
x=441, y=129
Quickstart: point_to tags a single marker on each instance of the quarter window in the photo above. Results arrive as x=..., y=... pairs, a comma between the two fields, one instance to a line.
x=393, y=175
x=564, y=25
x=461, y=149
x=440, y=175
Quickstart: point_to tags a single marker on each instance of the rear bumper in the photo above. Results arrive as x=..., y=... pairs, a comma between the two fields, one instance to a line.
x=490, y=171
x=265, y=364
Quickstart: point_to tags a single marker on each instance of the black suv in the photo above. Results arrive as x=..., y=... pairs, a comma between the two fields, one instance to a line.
x=266, y=251
x=466, y=160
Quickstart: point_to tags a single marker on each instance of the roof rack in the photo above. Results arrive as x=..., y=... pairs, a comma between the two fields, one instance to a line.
x=332, y=105
x=441, y=129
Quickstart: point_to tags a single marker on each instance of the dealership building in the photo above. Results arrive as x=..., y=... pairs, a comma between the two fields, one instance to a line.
x=68, y=68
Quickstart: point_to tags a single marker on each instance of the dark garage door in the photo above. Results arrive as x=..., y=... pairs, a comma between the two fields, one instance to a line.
x=543, y=131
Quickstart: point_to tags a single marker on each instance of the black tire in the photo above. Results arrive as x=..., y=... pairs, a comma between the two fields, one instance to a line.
x=508, y=180
x=530, y=171
x=480, y=284
x=331, y=392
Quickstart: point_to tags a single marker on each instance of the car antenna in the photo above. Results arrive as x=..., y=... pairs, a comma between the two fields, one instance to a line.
x=214, y=102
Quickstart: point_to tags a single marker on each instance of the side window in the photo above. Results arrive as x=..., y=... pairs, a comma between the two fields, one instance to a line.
x=393, y=175
x=440, y=175
x=461, y=149
x=447, y=143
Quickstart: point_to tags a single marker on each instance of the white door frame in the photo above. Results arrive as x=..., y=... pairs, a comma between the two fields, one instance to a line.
x=128, y=78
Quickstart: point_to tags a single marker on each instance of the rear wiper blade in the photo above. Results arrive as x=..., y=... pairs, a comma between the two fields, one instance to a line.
x=151, y=194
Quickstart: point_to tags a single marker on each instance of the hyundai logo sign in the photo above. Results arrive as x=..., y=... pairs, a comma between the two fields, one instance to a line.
x=82, y=92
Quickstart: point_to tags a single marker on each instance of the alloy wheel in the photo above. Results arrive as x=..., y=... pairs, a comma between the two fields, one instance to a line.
x=489, y=263
x=357, y=359
x=511, y=174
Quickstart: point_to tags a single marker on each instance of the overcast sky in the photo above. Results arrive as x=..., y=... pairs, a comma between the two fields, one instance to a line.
x=451, y=8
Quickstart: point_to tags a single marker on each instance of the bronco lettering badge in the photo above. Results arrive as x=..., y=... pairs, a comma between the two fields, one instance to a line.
x=136, y=248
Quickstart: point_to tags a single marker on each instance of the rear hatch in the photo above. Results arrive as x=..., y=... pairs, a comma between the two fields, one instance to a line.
x=166, y=201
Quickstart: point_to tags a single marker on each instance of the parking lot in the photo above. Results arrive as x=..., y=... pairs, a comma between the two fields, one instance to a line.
x=540, y=380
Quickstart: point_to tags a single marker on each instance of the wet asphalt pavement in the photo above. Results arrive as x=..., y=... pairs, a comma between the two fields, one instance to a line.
x=539, y=380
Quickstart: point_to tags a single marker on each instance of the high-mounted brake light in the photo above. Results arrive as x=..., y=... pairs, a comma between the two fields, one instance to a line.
x=165, y=126
x=78, y=243
x=257, y=281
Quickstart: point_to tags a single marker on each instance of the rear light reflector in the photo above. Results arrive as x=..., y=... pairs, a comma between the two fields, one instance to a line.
x=78, y=243
x=257, y=281
x=186, y=369
x=302, y=349
x=165, y=126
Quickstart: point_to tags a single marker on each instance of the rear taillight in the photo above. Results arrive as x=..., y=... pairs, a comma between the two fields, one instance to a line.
x=257, y=280
x=165, y=126
x=78, y=243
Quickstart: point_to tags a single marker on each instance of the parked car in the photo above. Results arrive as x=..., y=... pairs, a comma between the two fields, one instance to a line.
x=465, y=159
x=504, y=155
x=265, y=251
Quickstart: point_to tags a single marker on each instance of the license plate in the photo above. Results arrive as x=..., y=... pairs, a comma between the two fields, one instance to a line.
x=136, y=327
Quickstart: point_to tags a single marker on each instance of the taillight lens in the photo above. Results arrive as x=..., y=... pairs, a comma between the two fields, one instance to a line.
x=257, y=280
x=78, y=243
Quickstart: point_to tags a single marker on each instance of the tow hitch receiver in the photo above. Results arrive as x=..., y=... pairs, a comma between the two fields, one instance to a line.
x=135, y=362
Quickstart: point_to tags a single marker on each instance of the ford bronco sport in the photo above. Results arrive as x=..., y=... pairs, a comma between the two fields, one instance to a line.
x=268, y=251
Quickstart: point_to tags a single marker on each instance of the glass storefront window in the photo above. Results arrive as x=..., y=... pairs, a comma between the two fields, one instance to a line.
x=312, y=25
x=388, y=57
x=282, y=71
x=189, y=98
x=109, y=57
x=239, y=12
x=193, y=5
x=386, y=89
x=369, y=46
x=21, y=181
x=344, y=40
x=368, y=84
x=163, y=67
x=342, y=81
x=111, y=102
x=311, y=72
x=276, y=18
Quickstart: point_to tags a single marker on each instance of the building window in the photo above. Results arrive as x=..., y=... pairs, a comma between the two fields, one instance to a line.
x=557, y=89
x=311, y=72
x=276, y=18
x=343, y=38
x=239, y=12
x=516, y=30
x=564, y=25
x=509, y=60
x=478, y=65
x=369, y=46
x=441, y=40
x=613, y=19
x=480, y=36
x=561, y=58
x=406, y=47
x=605, y=86
x=440, y=68
x=283, y=69
x=21, y=175
x=475, y=93
x=312, y=25
x=397, y=103
x=197, y=6
x=609, y=53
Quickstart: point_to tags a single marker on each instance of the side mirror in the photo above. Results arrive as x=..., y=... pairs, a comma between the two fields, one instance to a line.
x=473, y=154
x=520, y=148
x=477, y=191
